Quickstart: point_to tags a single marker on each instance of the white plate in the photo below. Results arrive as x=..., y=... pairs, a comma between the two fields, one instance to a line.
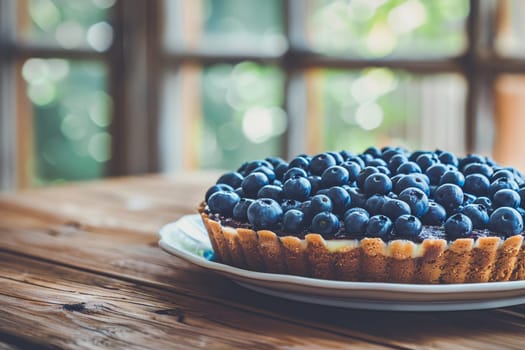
x=187, y=238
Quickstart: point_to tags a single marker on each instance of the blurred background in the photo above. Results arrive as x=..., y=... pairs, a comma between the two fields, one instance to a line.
x=95, y=88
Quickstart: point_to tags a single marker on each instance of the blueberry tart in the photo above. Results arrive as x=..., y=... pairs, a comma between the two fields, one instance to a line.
x=385, y=215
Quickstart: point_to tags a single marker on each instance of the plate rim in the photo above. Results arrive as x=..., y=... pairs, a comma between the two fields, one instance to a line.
x=169, y=228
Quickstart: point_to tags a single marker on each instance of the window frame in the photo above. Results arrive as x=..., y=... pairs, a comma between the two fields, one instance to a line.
x=137, y=60
x=132, y=83
x=479, y=64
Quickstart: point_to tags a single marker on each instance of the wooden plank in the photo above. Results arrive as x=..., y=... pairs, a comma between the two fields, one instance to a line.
x=125, y=248
x=66, y=308
x=137, y=204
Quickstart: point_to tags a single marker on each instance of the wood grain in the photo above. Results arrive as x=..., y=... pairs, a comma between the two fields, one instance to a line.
x=93, y=230
x=67, y=308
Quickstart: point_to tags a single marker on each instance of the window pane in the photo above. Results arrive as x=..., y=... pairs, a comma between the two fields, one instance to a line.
x=70, y=113
x=217, y=26
x=66, y=24
x=509, y=28
x=221, y=115
x=373, y=29
x=379, y=106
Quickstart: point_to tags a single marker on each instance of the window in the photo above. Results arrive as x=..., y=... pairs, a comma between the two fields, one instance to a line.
x=107, y=87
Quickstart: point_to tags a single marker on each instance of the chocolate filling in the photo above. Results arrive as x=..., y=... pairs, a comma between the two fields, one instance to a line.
x=429, y=232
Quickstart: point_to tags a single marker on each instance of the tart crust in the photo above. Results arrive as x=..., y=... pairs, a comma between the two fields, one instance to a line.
x=465, y=260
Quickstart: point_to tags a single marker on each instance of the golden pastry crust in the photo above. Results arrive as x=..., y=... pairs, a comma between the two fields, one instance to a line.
x=433, y=261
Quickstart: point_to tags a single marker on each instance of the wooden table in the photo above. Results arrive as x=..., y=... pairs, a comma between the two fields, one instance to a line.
x=80, y=268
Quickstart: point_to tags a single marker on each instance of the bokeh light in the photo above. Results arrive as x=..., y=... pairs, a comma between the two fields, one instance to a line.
x=69, y=24
x=381, y=28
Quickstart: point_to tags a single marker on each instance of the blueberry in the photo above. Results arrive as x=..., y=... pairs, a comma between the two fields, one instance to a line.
x=253, y=183
x=297, y=188
x=240, y=210
x=506, y=198
x=233, y=179
x=364, y=174
x=334, y=176
x=305, y=208
x=448, y=158
x=325, y=223
x=239, y=192
x=289, y=204
x=485, y=201
x=377, y=184
x=412, y=180
x=320, y=203
x=293, y=221
x=251, y=166
x=217, y=188
x=384, y=170
x=413, y=156
x=275, y=161
x=264, y=213
x=270, y=191
x=346, y=154
x=521, y=192
x=469, y=159
x=279, y=170
x=242, y=169
x=377, y=162
x=270, y=174
x=373, y=151
x=477, y=213
x=222, y=202
x=476, y=184
x=375, y=203
x=340, y=199
x=452, y=177
x=408, y=226
x=416, y=199
x=458, y=226
x=337, y=157
x=426, y=160
x=502, y=173
x=435, y=216
x=379, y=226
x=435, y=172
x=299, y=162
x=320, y=163
x=500, y=184
x=478, y=168
x=507, y=221
x=396, y=161
x=357, y=198
x=366, y=158
x=396, y=178
x=356, y=159
x=394, y=208
x=522, y=213
x=353, y=170
x=355, y=223
x=408, y=168
x=449, y=196
x=468, y=199
x=389, y=152
x=324, y=191
x=358, y=210
x=315, y=182
x=423, y=177
x=294, y=172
